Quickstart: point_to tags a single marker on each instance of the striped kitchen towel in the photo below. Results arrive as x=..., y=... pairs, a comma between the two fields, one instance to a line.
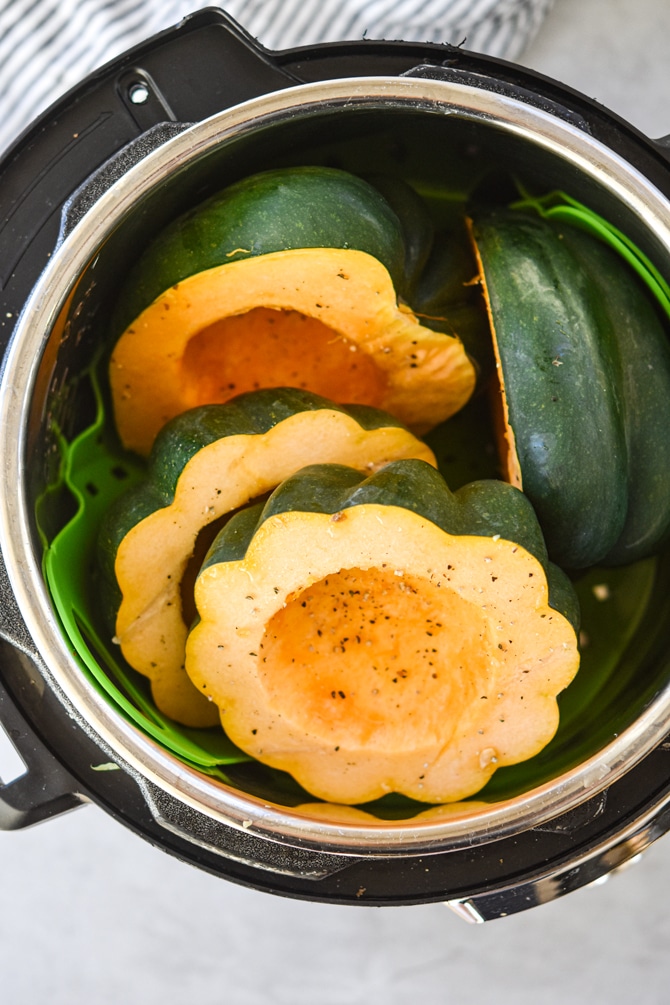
x=48, y=46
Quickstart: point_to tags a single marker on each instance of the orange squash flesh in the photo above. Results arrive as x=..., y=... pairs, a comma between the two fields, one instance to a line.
x=342, y=328
x=366, y=651
x=370, y=651
x=223, y=360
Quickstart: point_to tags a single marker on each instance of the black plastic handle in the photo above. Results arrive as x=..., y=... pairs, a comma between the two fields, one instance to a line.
x=663, y=144
x=45, y=789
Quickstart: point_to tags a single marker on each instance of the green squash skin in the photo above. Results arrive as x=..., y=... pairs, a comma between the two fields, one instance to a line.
x=485, y=508
x=301, y=207
x=448, y=275
x=446, y=299
x=560, y=363
x=417, y=228
x=644, y=364
x=253, y=413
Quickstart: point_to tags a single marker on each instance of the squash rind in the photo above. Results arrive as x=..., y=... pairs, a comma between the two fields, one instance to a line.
x=644, y=380
x=298, y=207
x=448, y=298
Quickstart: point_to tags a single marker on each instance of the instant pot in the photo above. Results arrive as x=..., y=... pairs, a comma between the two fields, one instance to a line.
x=89, y=183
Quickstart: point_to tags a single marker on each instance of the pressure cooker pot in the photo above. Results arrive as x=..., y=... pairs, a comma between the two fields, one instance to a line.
x=82, y=192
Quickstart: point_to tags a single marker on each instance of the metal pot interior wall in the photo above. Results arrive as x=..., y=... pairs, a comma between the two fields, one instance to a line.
x=434, y=149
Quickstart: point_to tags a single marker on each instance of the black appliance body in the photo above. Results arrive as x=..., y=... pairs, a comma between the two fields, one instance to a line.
x=198, y=106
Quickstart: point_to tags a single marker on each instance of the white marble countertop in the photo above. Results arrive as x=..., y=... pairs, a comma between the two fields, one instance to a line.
x=92, y=914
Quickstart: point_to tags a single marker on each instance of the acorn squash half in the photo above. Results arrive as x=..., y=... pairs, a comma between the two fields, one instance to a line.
x=583, y=362
x=383, y=634
x=206, y=463
x=288, y=278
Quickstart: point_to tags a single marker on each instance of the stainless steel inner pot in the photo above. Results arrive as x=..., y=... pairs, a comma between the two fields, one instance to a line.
x=424, y=125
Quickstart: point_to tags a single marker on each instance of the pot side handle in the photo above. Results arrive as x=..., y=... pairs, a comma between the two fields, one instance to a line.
x=45, y=788
x=38, y=794
x=663, y=145
x=202, y=66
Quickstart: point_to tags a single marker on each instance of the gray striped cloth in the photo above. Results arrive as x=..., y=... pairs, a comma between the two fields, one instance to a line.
x=48, y=46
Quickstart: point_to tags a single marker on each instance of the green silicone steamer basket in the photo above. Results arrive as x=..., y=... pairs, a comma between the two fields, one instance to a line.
x=620, y=606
